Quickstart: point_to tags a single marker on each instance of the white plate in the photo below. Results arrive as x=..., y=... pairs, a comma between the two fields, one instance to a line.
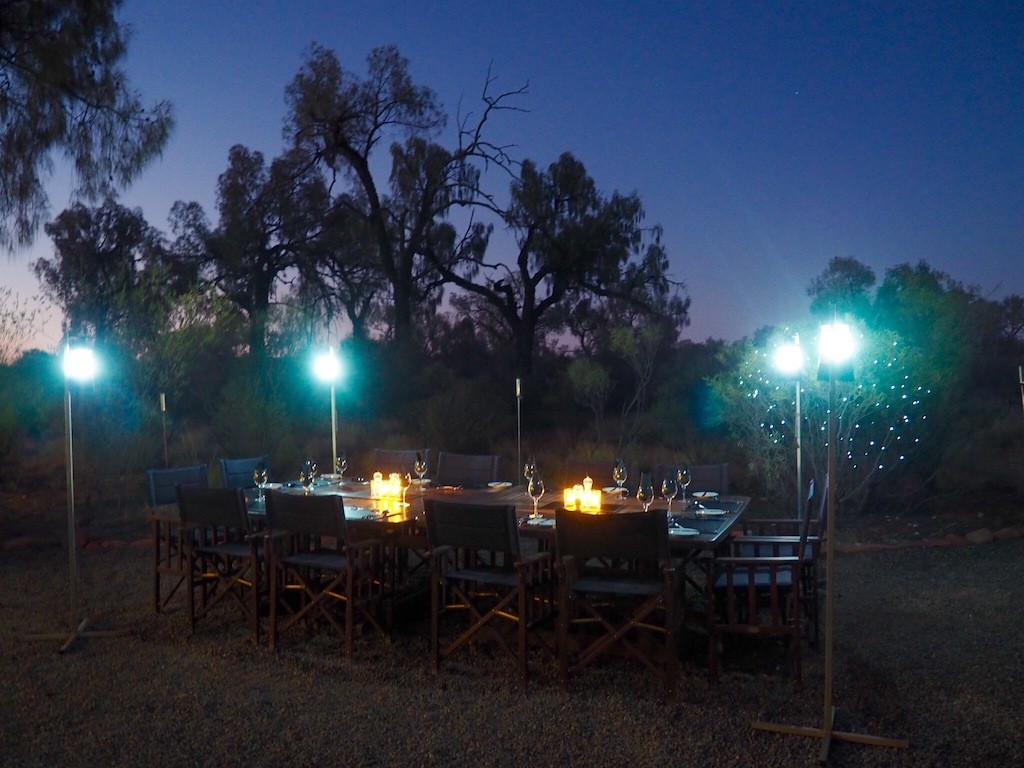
x=683, y=532
x=711, y=512
x=331, y=477
x=500, y=484
x=272, y=486
x=424, y=481
x=704, y=495
x=614, y=489
x=545, y=521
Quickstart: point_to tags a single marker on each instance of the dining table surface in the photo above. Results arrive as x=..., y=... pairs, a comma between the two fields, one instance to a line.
x=701, y=525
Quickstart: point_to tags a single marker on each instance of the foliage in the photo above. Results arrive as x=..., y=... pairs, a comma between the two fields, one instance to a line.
x=62, y=88
x=17, y=321
x=881, y=419
x=106, y=273
x=573, y=245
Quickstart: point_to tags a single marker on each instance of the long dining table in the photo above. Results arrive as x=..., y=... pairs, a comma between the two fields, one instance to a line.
x=694, y=531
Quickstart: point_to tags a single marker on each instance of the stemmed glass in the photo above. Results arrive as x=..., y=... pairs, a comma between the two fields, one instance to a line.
x=669, y=489
x=259, y=476
x=420, y=467
x=619, y=473
x=307, y=477
x=529, y=469
x=535, y=489
x=683, y=478
x=645, y=491
x=404, y=482
x=340, y=465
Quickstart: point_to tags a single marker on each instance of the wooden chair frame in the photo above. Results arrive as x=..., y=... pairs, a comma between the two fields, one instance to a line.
x=469, y=470
x=223, y=557
x=315, y=567
x=615, y=573
x=758, y=589
x=477, y=567
x=165, y=527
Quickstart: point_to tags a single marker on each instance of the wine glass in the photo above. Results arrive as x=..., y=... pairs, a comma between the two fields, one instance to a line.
x=669, y=489
x=404, y=482
x=619, y=473
x=420, y=467
x=340, y=465
x=683, y=478
x=259, y=476
x=529, y=469
x=311, y=466
x=306, y=478
x=645, y=491
x=535, y=489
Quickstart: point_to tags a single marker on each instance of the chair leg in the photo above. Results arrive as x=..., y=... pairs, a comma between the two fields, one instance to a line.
x=521, y=634
x=563, y=637
x=435, y=622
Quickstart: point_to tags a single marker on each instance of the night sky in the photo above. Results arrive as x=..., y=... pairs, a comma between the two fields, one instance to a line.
x=765, y=138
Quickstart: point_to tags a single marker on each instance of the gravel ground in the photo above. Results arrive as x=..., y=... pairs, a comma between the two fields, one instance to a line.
x=928, y=648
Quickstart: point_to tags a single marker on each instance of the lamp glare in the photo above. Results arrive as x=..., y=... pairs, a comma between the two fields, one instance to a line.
x=789, y=358
x=327, y=367
x=79, y=364
x=836, y=343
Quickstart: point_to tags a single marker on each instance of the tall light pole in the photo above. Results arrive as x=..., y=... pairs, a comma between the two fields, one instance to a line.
x=79, y=365
x=789, y=359
x=327, y=368
x=835, y=354
x=519, y=425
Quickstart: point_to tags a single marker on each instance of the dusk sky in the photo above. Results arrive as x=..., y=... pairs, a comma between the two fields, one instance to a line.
x=765, y=138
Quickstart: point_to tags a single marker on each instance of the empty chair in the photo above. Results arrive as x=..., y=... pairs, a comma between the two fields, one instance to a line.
x=500, y=592
x=238, y=473
x=709, y=477
x=388, y=460
x=317, y=573
x=467, y=470
x=617, y=588
x=222, y=559
x=165, y=519
x=757, y=589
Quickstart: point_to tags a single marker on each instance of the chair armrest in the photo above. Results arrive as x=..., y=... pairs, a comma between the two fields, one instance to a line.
x=535, y=568
x=567, y=570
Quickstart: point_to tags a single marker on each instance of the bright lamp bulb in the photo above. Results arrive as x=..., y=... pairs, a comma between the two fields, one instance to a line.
x=789, y=358
x=836, y=343
x=79, y=364
x=327, y=367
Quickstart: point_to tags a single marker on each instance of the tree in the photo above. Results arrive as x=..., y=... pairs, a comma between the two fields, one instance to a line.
x=574, y=245
x=338, y=122
x=106, y=272
x=846, y=285
x=62, y=89
x=269, y=216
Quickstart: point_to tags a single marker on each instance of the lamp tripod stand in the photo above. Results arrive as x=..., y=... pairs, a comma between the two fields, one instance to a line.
x=827, y=733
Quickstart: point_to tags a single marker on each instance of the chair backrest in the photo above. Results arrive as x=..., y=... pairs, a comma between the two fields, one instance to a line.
x=161, y=483
x=388, y=460
x=213, y=507
x=306, y=514
x=470, y=470
x=237, y=473
x=599, y=470
x=473, y=526
x=805, y=522
x=709, y=477
x=823, y=509
x=626, y=536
